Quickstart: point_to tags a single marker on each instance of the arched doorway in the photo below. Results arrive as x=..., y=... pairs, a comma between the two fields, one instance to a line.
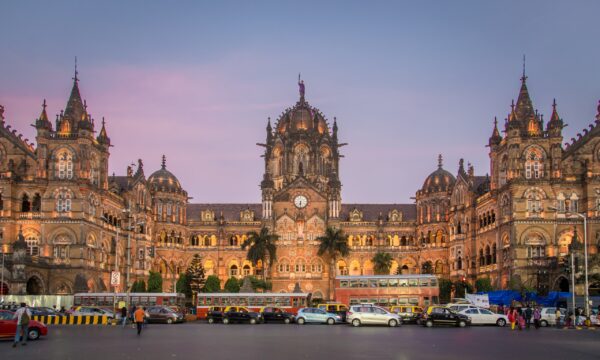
x=34, y=286
x=4, y=290
x=562, y=284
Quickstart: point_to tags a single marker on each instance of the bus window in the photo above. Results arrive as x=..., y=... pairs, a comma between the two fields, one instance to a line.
x=393, y=301
x=153, y=299
x=373, y=283
x=413, y=301
x=433, y=282
x=424, y=282
x=354, y=283
x=344, y=283
x=373, y=301
x=269, y=300
x=393, y=282
x=426, y=300
x=403, y=301
x=383, y=283
x=363, y=283
x=364, y=301
x=383, y=301
x=435, y=299
x=354, y=301
x=412, y=282
x=402, y=282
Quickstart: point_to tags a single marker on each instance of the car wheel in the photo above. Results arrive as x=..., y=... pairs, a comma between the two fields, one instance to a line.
x=543, y=323
x=429, y=323
x=356, y=323
x=33, y=334
x=211, y=320
x=169, y=321
x=419, y=322
x=462, y=323
x=501, y=322
x=301, y=321
x=330, y=321
x=393, y=323
x=253, y=321
x=286, y=321
x=225, y=321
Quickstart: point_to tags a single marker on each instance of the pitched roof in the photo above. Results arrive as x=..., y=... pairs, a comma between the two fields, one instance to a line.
x=371, y=211
x=231, y=212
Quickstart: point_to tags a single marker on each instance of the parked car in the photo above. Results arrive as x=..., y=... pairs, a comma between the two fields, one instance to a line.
x=481, y=316
x=272, y=314
x=335, y=308
x=441, y=315
x=240, y=314
x=368, y=314
x=316, y=315
x=408, y=313
x=92, y=310
x=43, y=311
x=164, y=314
x=460, y=307
x=215, y=314
x=8, y=326
x=548, y=316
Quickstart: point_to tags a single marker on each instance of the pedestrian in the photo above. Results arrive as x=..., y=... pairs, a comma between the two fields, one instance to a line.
x=528, y=315
x=23, y=315
x=512, y=317
x=124, y=315
x=557, y=316
x=62, y=310
x=537, y=316
x=139, y=316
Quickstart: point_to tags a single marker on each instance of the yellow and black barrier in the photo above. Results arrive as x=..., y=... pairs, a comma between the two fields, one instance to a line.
x=72, y=320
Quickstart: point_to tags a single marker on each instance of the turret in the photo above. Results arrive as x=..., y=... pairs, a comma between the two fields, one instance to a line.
x=555, y=125
x=42, y=124
x=495, y=139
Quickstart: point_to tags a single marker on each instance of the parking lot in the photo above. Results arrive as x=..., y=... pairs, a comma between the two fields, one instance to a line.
x=270, y=341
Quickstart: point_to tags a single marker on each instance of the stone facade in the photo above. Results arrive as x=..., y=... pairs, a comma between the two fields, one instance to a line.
x=79, y=223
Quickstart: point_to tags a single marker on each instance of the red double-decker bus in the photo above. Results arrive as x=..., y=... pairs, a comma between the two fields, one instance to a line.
x=387, y=290
x=291, y=302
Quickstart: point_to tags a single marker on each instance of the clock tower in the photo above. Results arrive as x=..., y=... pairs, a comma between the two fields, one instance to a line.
x=300, y=194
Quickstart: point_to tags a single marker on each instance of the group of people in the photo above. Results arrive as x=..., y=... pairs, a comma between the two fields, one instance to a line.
x=521, y=318
x=137, y=314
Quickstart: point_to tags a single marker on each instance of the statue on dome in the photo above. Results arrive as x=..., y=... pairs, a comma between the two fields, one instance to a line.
x=301, y=87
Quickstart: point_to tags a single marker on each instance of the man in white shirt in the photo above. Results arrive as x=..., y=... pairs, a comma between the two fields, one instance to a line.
x=23, y=315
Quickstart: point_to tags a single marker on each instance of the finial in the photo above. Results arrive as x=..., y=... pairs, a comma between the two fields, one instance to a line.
x=85, y=104
x=164, y=162
x=103, y=122
x=495, y=121
x=554, y=104
x=440, y=161
x=75, y=78
x=44, y=105
x=524, y=76
x=512, y=104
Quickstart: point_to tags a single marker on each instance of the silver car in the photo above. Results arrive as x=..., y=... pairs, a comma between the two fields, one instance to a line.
x=368, y=314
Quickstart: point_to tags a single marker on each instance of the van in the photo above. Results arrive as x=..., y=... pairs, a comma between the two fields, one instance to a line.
x=335, y=308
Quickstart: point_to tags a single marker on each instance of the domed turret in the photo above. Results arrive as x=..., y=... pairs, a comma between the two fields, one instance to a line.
x=163, y=180
x=439, y=180
x=302, y=117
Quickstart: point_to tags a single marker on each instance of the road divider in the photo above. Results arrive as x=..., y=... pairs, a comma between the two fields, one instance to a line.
x=73, y=320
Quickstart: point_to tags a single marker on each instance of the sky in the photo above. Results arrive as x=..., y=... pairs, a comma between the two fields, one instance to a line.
x=197, y=80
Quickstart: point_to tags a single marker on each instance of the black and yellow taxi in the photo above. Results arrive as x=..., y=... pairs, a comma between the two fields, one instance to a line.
x=441, y=315
x=408, y=313
x=240, y=314
x=215, y=314
x=335, y=308
x=274, y=314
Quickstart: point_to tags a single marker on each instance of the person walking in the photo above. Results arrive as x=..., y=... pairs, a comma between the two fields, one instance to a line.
x=23, y=315
x=512, y=317
x=139, y=315
x=528, y=315
x=557, y=316
x=124, y=315
x=537, y=316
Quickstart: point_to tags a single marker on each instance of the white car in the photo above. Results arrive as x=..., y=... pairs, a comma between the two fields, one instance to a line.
x=481, y=316
x=367, y=314
x=458, y=307
x=548, y=316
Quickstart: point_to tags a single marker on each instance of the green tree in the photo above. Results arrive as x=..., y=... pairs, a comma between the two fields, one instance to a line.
x=195, y=277
x=259, y=284
x=460, y=287
x=138, y=286
x=483, y=284
x=333, y=245
x=183, y=285
x=261, y=248
x=155, y=282
x=232, y=285
x=445, y=290
x=212, y=284
x=382, y=263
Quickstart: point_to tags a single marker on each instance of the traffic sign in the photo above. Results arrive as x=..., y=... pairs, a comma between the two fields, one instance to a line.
x=115, y=278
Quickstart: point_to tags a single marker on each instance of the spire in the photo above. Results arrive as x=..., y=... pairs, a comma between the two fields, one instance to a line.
x=461, y=166
x=103, y=137
x=140, y=169
x=495, y=138
x=75, y=108
x=440, y=161
x=555, y=124
x=524, y=108
x=44, y=115
x=163, y=164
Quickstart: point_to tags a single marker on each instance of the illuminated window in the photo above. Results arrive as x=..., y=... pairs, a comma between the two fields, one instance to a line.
x=65, y=166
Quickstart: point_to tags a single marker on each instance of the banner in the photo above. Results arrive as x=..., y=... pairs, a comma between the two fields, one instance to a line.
x=479, y=300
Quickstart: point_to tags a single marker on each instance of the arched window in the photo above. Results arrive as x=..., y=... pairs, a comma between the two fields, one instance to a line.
x=63, y=201
x=246, y=270
x=2, y=202
x=534, y=202
x=65, y=165
x=194, y=240
x=25, y=203
x=534, y=167
x=33, y=245
x=233, y=240
x=284, y=266
x=481, y=258
x=488, y=255
x=316, y=267
x=459, y=263
x=233, y=270
x=494, y=259
x=403, y=241
x=36, y=206
x=300, y=266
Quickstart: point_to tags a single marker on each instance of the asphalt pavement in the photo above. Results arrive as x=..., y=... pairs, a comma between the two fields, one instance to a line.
x=272, y=341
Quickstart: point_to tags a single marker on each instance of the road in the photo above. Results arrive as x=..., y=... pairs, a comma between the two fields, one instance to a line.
x=269, y=341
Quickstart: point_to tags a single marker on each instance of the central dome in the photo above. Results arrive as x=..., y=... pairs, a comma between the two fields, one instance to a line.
x=439, y=180
x=302, y=117
x=164, y=180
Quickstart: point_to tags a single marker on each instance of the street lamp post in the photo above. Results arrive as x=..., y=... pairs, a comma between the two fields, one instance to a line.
x=585, y=264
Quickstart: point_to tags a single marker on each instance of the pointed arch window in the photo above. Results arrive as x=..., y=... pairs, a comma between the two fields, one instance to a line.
x=65, y=165
x=534, y=168
x=33, y=245
x=63, y=201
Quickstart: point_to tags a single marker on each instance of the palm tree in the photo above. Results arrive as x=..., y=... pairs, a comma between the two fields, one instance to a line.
x=382, y=263
x=333, y=244
x=261, y=247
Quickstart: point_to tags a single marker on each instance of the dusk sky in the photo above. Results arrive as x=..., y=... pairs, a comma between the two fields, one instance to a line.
x=196, y=80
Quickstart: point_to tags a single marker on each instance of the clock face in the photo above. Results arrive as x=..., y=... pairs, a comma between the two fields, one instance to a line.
x=300, y=201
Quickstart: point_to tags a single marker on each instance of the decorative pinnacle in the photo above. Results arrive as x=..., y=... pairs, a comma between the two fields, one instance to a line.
x=524, y=78
x=44, y=105
x=75, y=78
x=164, y=162
x=440, y=161
x=554, y=104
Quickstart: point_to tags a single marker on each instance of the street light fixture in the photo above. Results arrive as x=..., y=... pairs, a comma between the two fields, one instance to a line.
x=585, y=259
